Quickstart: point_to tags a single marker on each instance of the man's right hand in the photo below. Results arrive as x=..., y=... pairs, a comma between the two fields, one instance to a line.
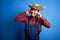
x=28, y=11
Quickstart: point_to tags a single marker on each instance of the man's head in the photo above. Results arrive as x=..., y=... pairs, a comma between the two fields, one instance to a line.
x=35, y=9
x=34, y=12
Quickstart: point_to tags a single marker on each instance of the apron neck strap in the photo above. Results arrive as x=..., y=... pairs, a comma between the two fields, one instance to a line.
x=28, y=20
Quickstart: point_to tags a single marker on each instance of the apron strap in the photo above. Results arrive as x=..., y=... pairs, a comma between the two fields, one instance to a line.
x=28, y=20
x=36, y=19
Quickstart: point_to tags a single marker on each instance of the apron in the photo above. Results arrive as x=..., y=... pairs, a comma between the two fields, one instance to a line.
x=31, y=31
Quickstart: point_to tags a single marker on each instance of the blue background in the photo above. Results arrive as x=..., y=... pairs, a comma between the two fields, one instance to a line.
x=11, y=30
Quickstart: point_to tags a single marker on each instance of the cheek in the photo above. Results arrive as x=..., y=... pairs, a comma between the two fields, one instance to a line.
x=36, y=13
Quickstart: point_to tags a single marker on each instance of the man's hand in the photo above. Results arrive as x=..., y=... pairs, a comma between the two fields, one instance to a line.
x=39, y=15
x=28, y=11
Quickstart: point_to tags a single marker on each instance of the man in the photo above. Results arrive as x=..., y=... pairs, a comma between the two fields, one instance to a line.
x=33, y=23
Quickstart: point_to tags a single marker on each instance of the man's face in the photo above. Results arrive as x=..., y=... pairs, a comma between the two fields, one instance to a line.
x=34, y=12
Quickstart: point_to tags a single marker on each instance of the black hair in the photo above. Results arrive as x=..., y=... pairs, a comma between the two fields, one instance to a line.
x=33, y=8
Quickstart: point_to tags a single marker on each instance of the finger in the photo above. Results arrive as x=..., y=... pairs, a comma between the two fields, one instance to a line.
x=27, y=12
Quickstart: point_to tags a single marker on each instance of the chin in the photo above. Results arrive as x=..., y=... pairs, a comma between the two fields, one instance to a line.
x=33, y=16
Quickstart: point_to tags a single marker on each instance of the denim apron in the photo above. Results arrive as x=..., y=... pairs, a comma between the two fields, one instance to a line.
x=31, y=31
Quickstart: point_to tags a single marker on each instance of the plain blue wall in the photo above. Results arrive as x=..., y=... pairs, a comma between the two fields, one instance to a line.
x=11, y=30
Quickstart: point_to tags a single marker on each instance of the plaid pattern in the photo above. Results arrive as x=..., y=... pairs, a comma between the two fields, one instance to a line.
x=31, y=31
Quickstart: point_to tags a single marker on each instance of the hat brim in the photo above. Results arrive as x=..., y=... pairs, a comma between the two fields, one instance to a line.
x=36, y=7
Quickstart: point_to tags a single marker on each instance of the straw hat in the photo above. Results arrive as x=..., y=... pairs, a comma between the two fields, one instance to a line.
x=36, y=6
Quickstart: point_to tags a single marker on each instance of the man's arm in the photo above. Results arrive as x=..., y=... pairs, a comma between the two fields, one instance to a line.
x=21, y=17
x=45, y=22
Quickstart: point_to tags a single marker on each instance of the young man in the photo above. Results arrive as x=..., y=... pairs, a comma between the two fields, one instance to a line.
x=33, y=23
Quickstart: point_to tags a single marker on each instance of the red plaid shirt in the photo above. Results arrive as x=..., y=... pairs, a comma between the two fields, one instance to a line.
x=41, y=21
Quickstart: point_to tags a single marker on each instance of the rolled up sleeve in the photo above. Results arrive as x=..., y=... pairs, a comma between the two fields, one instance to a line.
x=45, y=22
x=20, y=17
